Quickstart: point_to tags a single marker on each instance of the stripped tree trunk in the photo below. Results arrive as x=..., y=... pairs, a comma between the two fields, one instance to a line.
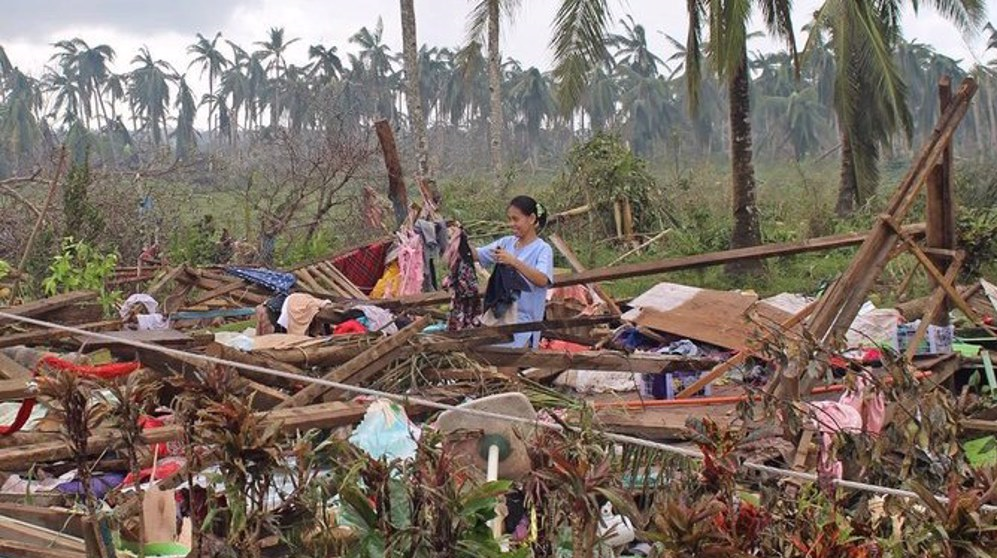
x=848, y=190
x=747, y=231
x=413, y=96
x=495, y=89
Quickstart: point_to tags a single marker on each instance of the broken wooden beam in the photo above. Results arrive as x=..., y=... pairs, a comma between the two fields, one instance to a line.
x=43, y=306
x=46, y=336
x=362, y=367
x=589, y=360
x=669, y=265
x=578, y=267
x=396, y=182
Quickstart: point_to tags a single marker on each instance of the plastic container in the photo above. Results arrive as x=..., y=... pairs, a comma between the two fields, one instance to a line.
x=669, y=384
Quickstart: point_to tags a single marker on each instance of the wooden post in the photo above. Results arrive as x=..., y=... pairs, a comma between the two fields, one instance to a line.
x=396, y=181
x=576, y=265
x=940, y=208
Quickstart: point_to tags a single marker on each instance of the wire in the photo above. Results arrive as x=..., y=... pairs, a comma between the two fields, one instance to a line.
x=621, y=438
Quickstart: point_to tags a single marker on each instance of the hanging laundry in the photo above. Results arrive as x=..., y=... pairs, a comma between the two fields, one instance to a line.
x=298, y=311
x=465, y=300
x=389, y=285
x=274, y=281
x=364, y=266
x=434, y=241
x=410, y=263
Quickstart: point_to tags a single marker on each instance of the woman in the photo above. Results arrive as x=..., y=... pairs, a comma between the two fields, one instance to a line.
x=531, y=257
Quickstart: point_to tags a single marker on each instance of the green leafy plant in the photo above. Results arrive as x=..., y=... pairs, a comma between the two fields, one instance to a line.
x=80, y=266
x=603, y=170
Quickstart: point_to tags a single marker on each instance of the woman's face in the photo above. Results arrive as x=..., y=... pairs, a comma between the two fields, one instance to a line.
x=520, y=223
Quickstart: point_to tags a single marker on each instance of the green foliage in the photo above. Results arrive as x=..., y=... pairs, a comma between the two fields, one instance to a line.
x=603, y=170
x=83, y=219
x=5, y=269
x=977, y=229
x=194, y=245
x=80, y=266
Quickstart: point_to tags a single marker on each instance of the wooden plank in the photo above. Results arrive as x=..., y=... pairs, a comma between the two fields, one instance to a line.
x=160, y=283
x=698, y=261
x=589, y=360
x=326, y=415
x=165, y=337
x=46, y=305
x=13, y=529
x=577, y=265
x=43, y=549
x=396, y=182
x=361, y=367
x=10, y=369
x=59, y=520
x=15, y=390
x=935, y=305
x=936, y=275
x=44, y=336
x=715, y=317
x=305, y=277
x=742, y=357
x=940, y=207
x=258, y=358
x=221, y=291
x=841, y=303
x=333, y=272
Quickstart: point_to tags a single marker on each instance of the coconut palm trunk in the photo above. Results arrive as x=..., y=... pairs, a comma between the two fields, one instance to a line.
x=495, y=89
x=746, y=227
x=848, y=190
x=413, y=95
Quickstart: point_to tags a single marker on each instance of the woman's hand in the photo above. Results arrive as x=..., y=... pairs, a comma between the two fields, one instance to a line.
x=505, y=257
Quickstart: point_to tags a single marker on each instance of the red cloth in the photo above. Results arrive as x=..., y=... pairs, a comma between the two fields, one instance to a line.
x=164, y=468
x=23, y=414
x=103, y=371
x=566, y=346
x=349, y=327
x=363, y=266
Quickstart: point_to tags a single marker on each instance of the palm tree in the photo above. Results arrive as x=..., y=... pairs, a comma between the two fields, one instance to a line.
x=413, y=92
x=728, y=55
x=211, y=60
x=274, y=49
x=185, y=135
x=149, y=92
x=487, y=13
x=373, y=68
x=89, y=67
x=864, y=38
x=326, y=63
x=20, y=125
x=632, y=49
x=531, y=96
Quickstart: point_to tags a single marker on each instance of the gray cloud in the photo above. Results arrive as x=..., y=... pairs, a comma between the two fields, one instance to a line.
x=27, y=19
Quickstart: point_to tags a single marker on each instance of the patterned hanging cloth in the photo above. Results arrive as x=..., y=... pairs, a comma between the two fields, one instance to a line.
x=465, y=298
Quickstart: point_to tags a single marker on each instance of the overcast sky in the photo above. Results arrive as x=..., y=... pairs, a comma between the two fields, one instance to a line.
x=28, y=27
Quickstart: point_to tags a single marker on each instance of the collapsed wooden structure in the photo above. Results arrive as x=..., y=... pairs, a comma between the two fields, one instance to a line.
x=290, y=400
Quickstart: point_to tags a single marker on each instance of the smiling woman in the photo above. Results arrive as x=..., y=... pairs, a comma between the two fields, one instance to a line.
x=523, y=255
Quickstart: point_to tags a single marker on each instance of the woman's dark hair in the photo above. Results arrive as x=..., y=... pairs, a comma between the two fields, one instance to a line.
x=529, y=206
